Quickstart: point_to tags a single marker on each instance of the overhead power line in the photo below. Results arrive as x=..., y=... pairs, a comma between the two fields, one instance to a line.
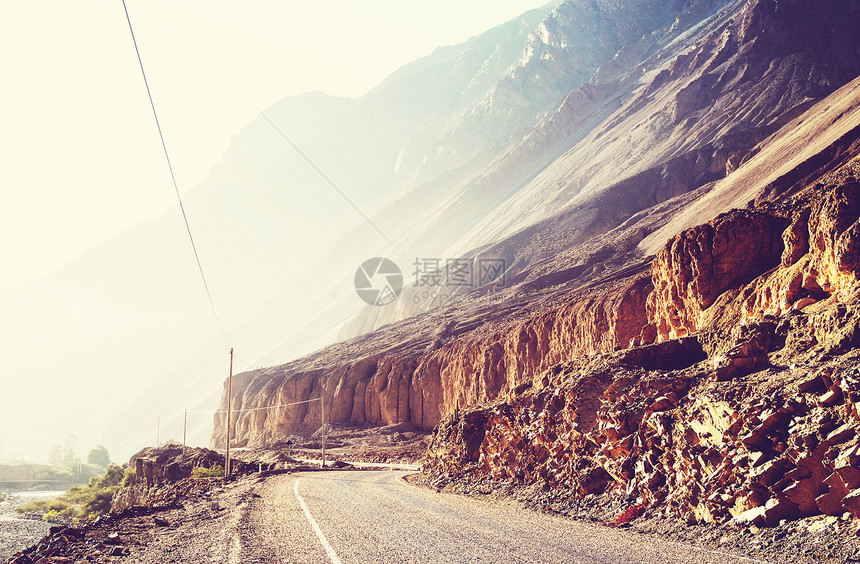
x=325, y=177
x=172, y=175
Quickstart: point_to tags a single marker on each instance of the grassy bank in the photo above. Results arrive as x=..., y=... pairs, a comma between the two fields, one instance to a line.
x=80, y=502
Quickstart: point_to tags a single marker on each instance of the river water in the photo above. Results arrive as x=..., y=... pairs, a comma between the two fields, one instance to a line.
x=17, y=534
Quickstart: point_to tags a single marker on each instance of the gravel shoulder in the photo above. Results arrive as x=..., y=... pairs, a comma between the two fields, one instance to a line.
x=812, y=540
x=201, y=531
x=17, y=534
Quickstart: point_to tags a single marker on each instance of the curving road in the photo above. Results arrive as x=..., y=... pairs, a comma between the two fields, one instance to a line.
x=376, y=517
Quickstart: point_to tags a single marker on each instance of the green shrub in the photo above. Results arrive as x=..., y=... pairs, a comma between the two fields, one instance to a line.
x=98, y=503
x=3, y=496
x=51, y=516
x=129, y=478
x=112, y=477
x=214, y=472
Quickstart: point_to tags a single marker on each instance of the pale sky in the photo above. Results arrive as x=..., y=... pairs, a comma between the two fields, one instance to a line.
x=80, y=159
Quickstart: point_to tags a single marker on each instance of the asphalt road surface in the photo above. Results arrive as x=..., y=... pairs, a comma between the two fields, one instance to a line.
x=376, y=517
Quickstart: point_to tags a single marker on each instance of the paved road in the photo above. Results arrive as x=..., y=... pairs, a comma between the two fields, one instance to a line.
x=394, y=466
x=375, y=517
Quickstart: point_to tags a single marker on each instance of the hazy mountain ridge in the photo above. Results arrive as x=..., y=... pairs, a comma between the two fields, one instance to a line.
x=262, y=210
x=564, y=52
x=734, y=83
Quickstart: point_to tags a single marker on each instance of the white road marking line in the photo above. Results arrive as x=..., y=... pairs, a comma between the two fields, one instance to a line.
x=328, y=548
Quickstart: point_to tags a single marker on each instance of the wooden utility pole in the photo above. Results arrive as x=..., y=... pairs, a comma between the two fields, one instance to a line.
x=157, y=430
x=322, y=416
x=229, y=415
x=184, y=432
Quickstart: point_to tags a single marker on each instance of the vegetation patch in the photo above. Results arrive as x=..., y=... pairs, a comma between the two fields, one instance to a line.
x=214, y=472
x=81, y=502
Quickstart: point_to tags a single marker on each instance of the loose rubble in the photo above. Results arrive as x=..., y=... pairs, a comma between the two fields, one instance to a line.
x=160, y=497
x=742, y=416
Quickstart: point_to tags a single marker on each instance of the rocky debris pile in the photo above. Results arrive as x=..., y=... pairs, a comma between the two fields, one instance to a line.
x=750, y=417
x=398, y=443
x=118, y=536
x=161, y=495
x=111, y=536
x=770, y=448
x=163, y=475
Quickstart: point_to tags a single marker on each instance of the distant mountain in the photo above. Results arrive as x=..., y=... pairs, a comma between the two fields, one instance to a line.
x=133, y=310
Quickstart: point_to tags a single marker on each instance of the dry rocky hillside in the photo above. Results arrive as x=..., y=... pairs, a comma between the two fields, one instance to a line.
x=677, y=337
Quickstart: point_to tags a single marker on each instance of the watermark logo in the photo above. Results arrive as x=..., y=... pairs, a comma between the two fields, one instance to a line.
x=458, y=272
x=378, y=281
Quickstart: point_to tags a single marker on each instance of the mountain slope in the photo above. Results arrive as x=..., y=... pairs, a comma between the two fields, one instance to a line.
x=716, y=381
x=674, y=111
x=566, y=297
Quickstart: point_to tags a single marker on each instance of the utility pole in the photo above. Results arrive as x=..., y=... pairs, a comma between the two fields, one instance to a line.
x=184, y=432
x=157, y=430
x=229, y=415
x=322, y=416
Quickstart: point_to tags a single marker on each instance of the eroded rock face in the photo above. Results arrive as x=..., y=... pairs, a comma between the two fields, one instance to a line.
x=420, y=386
x=701, y=263
x=774, y=260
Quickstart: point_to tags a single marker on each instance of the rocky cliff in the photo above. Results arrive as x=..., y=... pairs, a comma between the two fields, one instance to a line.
x=810, y=247
x=680, y=338
x=563, y=300
x=434, y=364
x=713, y=382
x=745, y=408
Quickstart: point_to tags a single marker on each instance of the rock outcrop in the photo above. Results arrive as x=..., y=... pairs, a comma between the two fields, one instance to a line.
x=700, y=264
x=757, y=263
x=757, y=419
x=171, y=463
